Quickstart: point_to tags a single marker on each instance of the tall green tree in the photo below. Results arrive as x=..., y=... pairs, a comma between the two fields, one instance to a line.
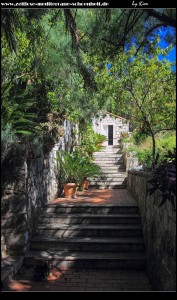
x=141, y=88
x=110, y=31
x=53, y=60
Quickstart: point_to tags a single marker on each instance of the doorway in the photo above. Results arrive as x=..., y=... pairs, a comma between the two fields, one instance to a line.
x=110, y=135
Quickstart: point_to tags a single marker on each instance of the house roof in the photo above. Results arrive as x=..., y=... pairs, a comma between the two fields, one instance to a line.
x=113, y=116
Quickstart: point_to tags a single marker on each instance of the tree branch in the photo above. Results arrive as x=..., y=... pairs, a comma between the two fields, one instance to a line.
x=162, y=17
x=172, y=128
x=146, y=35
x=136, y=17
x=127, y=27
x=149, y=85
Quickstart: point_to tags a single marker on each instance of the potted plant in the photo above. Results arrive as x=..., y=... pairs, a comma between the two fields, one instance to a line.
x=75, y=169
x=88, y=169
x=71, y=173
x=99, y=140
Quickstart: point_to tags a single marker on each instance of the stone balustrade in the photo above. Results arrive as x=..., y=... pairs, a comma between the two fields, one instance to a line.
x=159, y=230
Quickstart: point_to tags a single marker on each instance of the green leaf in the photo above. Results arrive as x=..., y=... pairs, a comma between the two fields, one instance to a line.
x=25, y=132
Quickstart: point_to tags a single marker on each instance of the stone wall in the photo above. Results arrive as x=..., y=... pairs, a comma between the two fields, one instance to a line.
x=28, y=184
x=14, y=205
x=129, y=160
x=159, y=229
x=41, y=186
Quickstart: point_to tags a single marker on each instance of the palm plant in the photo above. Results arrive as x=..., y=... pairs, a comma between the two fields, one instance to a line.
x=75, y=168
x=69, y=167
x=70, y=172
x=89, y=170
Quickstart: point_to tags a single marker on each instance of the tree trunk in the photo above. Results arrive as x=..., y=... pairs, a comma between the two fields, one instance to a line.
x=153, y=146
x=153, y=142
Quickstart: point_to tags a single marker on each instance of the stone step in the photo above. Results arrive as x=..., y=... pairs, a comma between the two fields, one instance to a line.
x=108, y=183
x=90, y=260
x=115, y=168
x=108, y=169
x=108, y=186
x=10, y=265
x=131, y=244
x=90, y=218
x=111, y=172
x=108, y=158
x=107, y=153
x=91, y=208
x=63, y=230
x=109, y=163
x=111, y=175
x=110, y=148
x=118, y=180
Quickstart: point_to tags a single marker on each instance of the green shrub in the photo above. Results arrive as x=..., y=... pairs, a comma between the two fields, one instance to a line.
x=124, y=135
x=139, y=137
x=144, y=155
x=165, y=141
x=90, y=141
x=145, y=158
x=164, y=179
x=126, y=140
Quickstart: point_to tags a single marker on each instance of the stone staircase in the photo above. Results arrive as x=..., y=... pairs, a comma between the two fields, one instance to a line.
x=114, y=175
x=89, y=236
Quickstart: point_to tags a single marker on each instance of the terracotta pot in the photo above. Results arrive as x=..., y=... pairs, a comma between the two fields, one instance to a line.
x=70, y=190
x=85, y=184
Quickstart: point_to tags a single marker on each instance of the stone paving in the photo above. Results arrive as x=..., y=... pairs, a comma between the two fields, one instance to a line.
x=82, y=280
x=70, y=280
x=106, y=196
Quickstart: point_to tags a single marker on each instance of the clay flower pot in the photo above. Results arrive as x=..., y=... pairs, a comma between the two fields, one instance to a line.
x=85, y=184
x=70, y=190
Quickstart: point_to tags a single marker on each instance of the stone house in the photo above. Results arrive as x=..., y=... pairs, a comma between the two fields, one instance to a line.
x=111, y=127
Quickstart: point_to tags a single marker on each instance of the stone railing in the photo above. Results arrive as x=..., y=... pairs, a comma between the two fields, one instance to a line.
x=159, y=231
x=130, y=161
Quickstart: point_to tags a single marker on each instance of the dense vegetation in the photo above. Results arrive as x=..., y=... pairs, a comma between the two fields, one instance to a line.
x=140, y=145
x=71, y=63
